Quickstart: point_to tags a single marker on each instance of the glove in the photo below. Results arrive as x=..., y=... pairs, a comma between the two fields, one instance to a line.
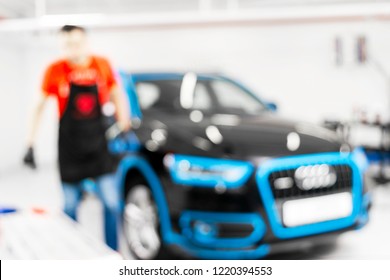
x=29, y=159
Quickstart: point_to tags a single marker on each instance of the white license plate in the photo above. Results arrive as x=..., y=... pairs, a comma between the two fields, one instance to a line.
x=317, y=209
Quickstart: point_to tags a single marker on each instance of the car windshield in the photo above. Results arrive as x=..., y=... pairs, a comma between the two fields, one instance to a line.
x=214, y=95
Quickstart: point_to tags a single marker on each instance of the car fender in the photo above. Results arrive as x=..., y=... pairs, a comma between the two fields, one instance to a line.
x=131, y=162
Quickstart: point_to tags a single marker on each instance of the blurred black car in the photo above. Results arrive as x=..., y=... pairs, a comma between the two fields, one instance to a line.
x=211, y=171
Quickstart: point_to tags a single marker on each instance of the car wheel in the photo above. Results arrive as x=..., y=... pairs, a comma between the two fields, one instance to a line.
x=141, y=223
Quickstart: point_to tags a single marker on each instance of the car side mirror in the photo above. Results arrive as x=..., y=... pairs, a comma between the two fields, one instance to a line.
x=272, y=106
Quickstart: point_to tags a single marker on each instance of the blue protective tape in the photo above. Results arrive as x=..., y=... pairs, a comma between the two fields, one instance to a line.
x=214, y=171
x=294, y=162
x=212, y=219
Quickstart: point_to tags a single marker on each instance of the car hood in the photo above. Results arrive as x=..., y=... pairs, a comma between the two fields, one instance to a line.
x=234, y=136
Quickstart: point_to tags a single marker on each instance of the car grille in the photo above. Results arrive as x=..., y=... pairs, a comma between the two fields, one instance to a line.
x=343, y=183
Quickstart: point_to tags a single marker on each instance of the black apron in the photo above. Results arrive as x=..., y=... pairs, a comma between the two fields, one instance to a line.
x=83, y=151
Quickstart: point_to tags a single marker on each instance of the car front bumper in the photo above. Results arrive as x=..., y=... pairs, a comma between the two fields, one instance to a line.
x=251, y=224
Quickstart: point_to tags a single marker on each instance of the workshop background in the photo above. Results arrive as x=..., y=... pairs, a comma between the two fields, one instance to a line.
x=317, y=60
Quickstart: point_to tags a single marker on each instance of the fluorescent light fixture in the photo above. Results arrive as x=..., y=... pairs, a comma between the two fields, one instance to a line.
x=76, y=19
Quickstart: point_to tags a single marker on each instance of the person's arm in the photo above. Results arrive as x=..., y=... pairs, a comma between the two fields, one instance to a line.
x=33, y=126
x=122, y=109
x=35, y=119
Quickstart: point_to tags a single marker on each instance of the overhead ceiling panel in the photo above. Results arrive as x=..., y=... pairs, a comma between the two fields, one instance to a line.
x=27, y=8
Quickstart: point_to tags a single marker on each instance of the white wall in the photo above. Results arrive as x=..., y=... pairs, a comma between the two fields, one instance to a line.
x=19, y=84
x=291, y=65
x=12, y=104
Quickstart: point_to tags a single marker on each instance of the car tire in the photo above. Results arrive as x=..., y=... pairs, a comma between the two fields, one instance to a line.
x=141, y=224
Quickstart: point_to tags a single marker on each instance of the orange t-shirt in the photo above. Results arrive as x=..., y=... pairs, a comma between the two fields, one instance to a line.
x=61, y=73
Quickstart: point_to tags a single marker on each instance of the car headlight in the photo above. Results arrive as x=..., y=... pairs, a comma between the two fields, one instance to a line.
x=207, y=172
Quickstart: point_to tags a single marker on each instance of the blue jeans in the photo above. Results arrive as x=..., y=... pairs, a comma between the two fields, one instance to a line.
x=109, y=193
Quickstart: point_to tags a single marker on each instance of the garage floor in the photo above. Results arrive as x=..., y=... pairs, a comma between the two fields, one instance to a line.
x=22, y=187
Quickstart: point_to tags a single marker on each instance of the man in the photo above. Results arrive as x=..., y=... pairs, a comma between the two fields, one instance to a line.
x=82, y=83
